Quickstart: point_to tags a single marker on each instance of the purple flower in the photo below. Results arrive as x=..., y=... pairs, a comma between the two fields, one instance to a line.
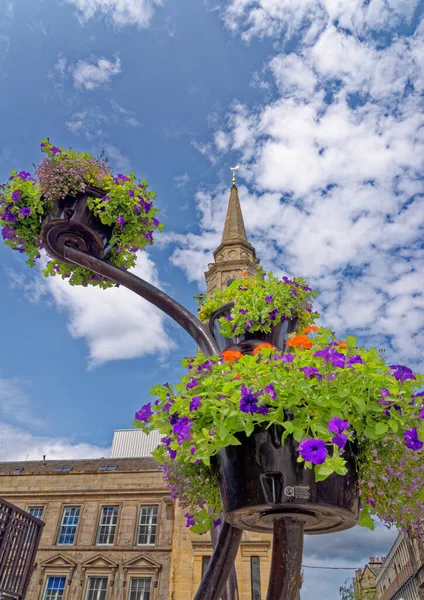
x=174, y=418
x=243, y=311
x=354, y=360
x=422, y=413
x=371, y=502
x=286, y=358
x=330, y=355
x=55, y=150
x=332, y=376
x=228, y=318
x=193, y=450
x=166, y=441
x=149, y=237
x=121, y=221
x=249, y=324
x=26, y=211
x=137, y=210
x=311, y=372
x=248, y=400
x=121, y=178
x=337, y=425
x=384, y=392
x=146, y=205
x=191, y=384
x=16, y=195
x=402, y=373
x=273, y=314
x=182, y=429
x=130, y=193
x=8, y=233
x=24, y=175
x=190, y=520
x=411, y=439
x=205, y=367
x=270, y=390
x=172, y=453
x=313, y=451
x=263, y=410
x=155, y=221
x=105, y=198
x=195, y=403
x=340, y=440
x=144, y=413
x=293, y=292
x=269, y=299
x=217, y=522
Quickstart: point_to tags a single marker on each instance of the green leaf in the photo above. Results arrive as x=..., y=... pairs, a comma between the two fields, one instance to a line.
x=288, y=426
x=343, y=392
x=365, y=520
x=394, y=425
x=380, y=429
x=298, y=433
x=323, y=471
x=359, y=403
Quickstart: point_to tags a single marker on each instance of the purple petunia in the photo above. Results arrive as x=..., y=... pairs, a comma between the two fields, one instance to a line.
x=25, y=211
x=193, y=450
x=354, y=360
x=8, y=233
x=217, y=522
x=120, y=220
x=155, y=221
x=262, y=410
x=182, y=429
x=273, y=314
x=195, y=403
x=411, y=439
x=191, y=384
x=172, y=453
x=149, y=237
x=340, y=440
x=190, y=520
x=248, y=400
x=269, y=299
x=228, y=318
x=286, y=358
x=55, y=150
x=270, y=390
x=402, y=373
x=337, y=425
x=313, y=450
x=16, y=195
x=144, y=413
x=243, y=311
x=330, y=355
x=311, y=372
x=24, y=175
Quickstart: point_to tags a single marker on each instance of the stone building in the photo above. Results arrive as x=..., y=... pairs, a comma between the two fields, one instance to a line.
x=364, y=581
x=109, y=526
x=401, y=573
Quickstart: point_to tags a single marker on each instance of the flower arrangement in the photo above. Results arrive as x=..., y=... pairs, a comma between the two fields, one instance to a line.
x=125, y=206
x=260, y=303
x=338, y=394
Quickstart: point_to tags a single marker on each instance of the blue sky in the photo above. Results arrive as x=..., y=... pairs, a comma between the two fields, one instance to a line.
x=318, y=101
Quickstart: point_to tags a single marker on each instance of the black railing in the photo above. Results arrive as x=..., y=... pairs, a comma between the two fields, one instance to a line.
x=19, y=538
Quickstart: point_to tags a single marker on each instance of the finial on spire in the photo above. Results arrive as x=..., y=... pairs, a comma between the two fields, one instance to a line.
x=234, y=169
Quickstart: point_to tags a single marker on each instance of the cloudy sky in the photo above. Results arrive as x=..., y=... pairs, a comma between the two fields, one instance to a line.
x=319, y=101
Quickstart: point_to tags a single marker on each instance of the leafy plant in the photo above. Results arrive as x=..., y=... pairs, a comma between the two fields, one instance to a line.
x=126, y=207
x=337, y=392
x=259, y=303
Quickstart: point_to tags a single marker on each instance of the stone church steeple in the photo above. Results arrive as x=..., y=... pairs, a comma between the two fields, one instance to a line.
x=234, y=254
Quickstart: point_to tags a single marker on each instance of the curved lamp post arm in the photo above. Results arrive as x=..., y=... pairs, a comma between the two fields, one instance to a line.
x=149, y=292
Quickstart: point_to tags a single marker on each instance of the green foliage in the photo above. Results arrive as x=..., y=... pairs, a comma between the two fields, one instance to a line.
x=209, y=401
x=290, y=298
x=126, y=206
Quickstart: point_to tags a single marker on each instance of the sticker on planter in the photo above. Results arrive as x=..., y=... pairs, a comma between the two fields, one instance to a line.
x=302, y=492
x=289, y=491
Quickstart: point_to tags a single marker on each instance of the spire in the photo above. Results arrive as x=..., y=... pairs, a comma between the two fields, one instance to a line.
x=234, y=229
x=234, y=254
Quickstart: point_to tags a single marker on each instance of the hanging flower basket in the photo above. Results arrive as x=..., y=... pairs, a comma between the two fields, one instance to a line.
x=75, y=200
x=248, y=340
x=261, y=480
x=305, y=430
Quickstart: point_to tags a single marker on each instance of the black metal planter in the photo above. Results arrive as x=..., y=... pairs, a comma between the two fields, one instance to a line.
x=73, y=225
x=247, y=341
x=261, y=481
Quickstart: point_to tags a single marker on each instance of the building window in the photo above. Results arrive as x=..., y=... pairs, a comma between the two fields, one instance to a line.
x=205, y=564
x=140, y=589
x=147, y=526
x=62, y=469
x=107, y=526
x=69, y=525
x=36, y=511
x=96, y=588
x=255, y=570
x=55, y=587
x=17, y=471
x=108, y=468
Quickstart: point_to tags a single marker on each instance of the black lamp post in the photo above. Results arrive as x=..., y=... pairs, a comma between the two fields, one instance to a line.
x=263, y=488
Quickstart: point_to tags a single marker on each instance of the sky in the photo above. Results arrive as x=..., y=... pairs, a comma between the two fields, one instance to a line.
x=318, y=101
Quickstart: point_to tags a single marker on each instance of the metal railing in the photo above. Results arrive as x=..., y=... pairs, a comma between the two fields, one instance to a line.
x=19, y=538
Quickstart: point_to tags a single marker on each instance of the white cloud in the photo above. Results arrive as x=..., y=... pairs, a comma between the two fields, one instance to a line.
x=115, y=323
x=121, y=161
x=91, y=74
x=18, y=444
x=15, y=404
x=181, y=181
x=118, y=12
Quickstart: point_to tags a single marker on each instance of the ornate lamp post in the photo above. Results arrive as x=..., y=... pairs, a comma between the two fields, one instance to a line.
x=263, y=487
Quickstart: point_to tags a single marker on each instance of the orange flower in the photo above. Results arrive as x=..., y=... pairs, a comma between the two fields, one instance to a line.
x=244, y=273
x=300, y=341
x=264, y=345
x=238, y=376
x=341, y=344
x=310, y=328
x=231, y=355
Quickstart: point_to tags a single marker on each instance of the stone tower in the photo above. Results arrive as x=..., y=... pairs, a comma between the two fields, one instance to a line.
x=234, y=254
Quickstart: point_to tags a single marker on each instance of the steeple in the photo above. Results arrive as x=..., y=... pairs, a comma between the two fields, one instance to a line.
x=234, y=254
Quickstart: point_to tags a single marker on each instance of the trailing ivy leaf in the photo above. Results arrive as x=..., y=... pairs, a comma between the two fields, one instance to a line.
x=365, y=520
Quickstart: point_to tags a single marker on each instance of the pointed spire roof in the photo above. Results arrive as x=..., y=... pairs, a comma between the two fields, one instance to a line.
x=234, y=229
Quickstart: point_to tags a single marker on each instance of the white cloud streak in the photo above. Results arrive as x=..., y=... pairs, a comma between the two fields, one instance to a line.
x=92, y=74
x=117, y=12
